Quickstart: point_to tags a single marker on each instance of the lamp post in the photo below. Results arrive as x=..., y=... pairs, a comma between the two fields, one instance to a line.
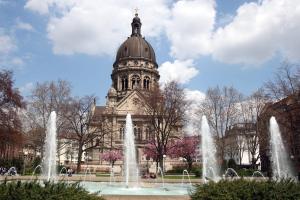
x=164, y=157
x=25, y=155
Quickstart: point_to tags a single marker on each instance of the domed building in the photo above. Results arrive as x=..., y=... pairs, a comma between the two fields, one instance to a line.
x=134, y=74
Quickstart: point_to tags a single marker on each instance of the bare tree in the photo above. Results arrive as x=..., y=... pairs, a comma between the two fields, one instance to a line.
x=220, y=108
x=47, y=97
x=81, y=127
x=166, y=111
x=286, y=81
x=251, y=108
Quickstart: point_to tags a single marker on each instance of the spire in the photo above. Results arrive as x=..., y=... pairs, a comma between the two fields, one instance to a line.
x=136, y=25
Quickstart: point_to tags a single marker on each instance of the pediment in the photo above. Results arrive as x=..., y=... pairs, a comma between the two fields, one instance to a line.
x=134, y=103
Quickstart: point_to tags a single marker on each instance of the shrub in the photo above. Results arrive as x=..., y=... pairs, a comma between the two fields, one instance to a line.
x=197, y=172
x=35, y=191
x=247, y=190
x=231, y=164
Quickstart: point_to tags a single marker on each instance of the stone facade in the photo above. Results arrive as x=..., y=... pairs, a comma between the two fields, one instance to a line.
x=134, y=74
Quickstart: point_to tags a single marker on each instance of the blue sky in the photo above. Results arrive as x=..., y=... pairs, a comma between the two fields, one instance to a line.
x=200, y=43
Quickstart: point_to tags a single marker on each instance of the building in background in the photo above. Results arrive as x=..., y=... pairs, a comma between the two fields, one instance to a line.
x=287, y=114
x=134, y=75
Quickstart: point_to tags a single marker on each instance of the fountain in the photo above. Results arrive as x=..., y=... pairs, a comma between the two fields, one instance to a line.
x=159, y=170
x=87, y=170
x=232, y=172
x=66, y=171
x=112, y=178
x=131, y=169
x=210, y=169
x=258, y=173
x=12, y=171
x=37, y=167
x=188, y=175
x=280, y=160
x=49, y=162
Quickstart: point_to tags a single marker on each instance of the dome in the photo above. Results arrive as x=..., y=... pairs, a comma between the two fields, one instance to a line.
x=136, y=47
x=112, y=92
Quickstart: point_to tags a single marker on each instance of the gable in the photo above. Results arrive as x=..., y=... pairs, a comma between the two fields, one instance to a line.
x=134, y=103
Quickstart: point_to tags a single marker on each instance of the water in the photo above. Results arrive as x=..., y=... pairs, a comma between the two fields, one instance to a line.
x=87, y=171
x=258, y=173
x=173, y=189
x=112, y=178
x=131, y=169
x=183, y=175
x=49, y=162
x=37, y=167
x=62, y=169
x=280, y=160
x=210, y=169
x=12, y=171
x=232, y=173
x=159, y=170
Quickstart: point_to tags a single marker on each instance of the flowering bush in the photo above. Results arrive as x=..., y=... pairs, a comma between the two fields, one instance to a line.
x=112, y=156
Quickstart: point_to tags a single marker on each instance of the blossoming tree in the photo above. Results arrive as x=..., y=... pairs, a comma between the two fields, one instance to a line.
x=112, y=156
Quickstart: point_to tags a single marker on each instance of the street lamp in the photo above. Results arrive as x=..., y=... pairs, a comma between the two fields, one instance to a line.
x=164, y=157
x=25, y=155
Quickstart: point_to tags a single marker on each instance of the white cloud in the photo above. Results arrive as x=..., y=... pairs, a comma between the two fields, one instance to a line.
x=7, y=43
x=258, y=31
x=195, y=97
x=253, y=35
x=190, y=27
x=93, y=27
x=181, y=71
x=8, y=49
x=17, y=61
x=24, y=26
x=26, y=89
x=40, y=6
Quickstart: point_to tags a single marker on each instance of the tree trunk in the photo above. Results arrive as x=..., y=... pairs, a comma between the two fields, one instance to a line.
x=79, y=159
x=190, y=164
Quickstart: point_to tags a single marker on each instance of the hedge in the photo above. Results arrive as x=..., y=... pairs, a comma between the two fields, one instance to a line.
x=241, y=189
x=35, y=191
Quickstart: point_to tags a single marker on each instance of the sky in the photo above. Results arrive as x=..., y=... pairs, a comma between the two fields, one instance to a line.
x=199, y=43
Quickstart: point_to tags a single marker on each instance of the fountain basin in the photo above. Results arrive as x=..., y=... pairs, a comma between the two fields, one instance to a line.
x=151, y=189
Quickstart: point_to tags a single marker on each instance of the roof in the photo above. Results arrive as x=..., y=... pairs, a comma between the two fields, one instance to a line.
x=136, y=46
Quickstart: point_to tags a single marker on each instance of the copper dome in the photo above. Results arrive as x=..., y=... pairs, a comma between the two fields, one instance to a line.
x=136, y=47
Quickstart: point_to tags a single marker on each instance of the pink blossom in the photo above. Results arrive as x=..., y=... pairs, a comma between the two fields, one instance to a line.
x=112, y=156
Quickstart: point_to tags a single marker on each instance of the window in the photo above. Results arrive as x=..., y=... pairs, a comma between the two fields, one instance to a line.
x=124, y=83
x=121, y=133
x=146, y=83
x=139, y=132
x=135, y=81
x=147, y=134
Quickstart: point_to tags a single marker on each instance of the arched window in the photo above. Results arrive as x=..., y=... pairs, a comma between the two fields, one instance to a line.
x=121, y=133
x=146, y=83
x=147, y=133
x=135, y=81
x=139, y=132
x=135, y=131
x=124, y=83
